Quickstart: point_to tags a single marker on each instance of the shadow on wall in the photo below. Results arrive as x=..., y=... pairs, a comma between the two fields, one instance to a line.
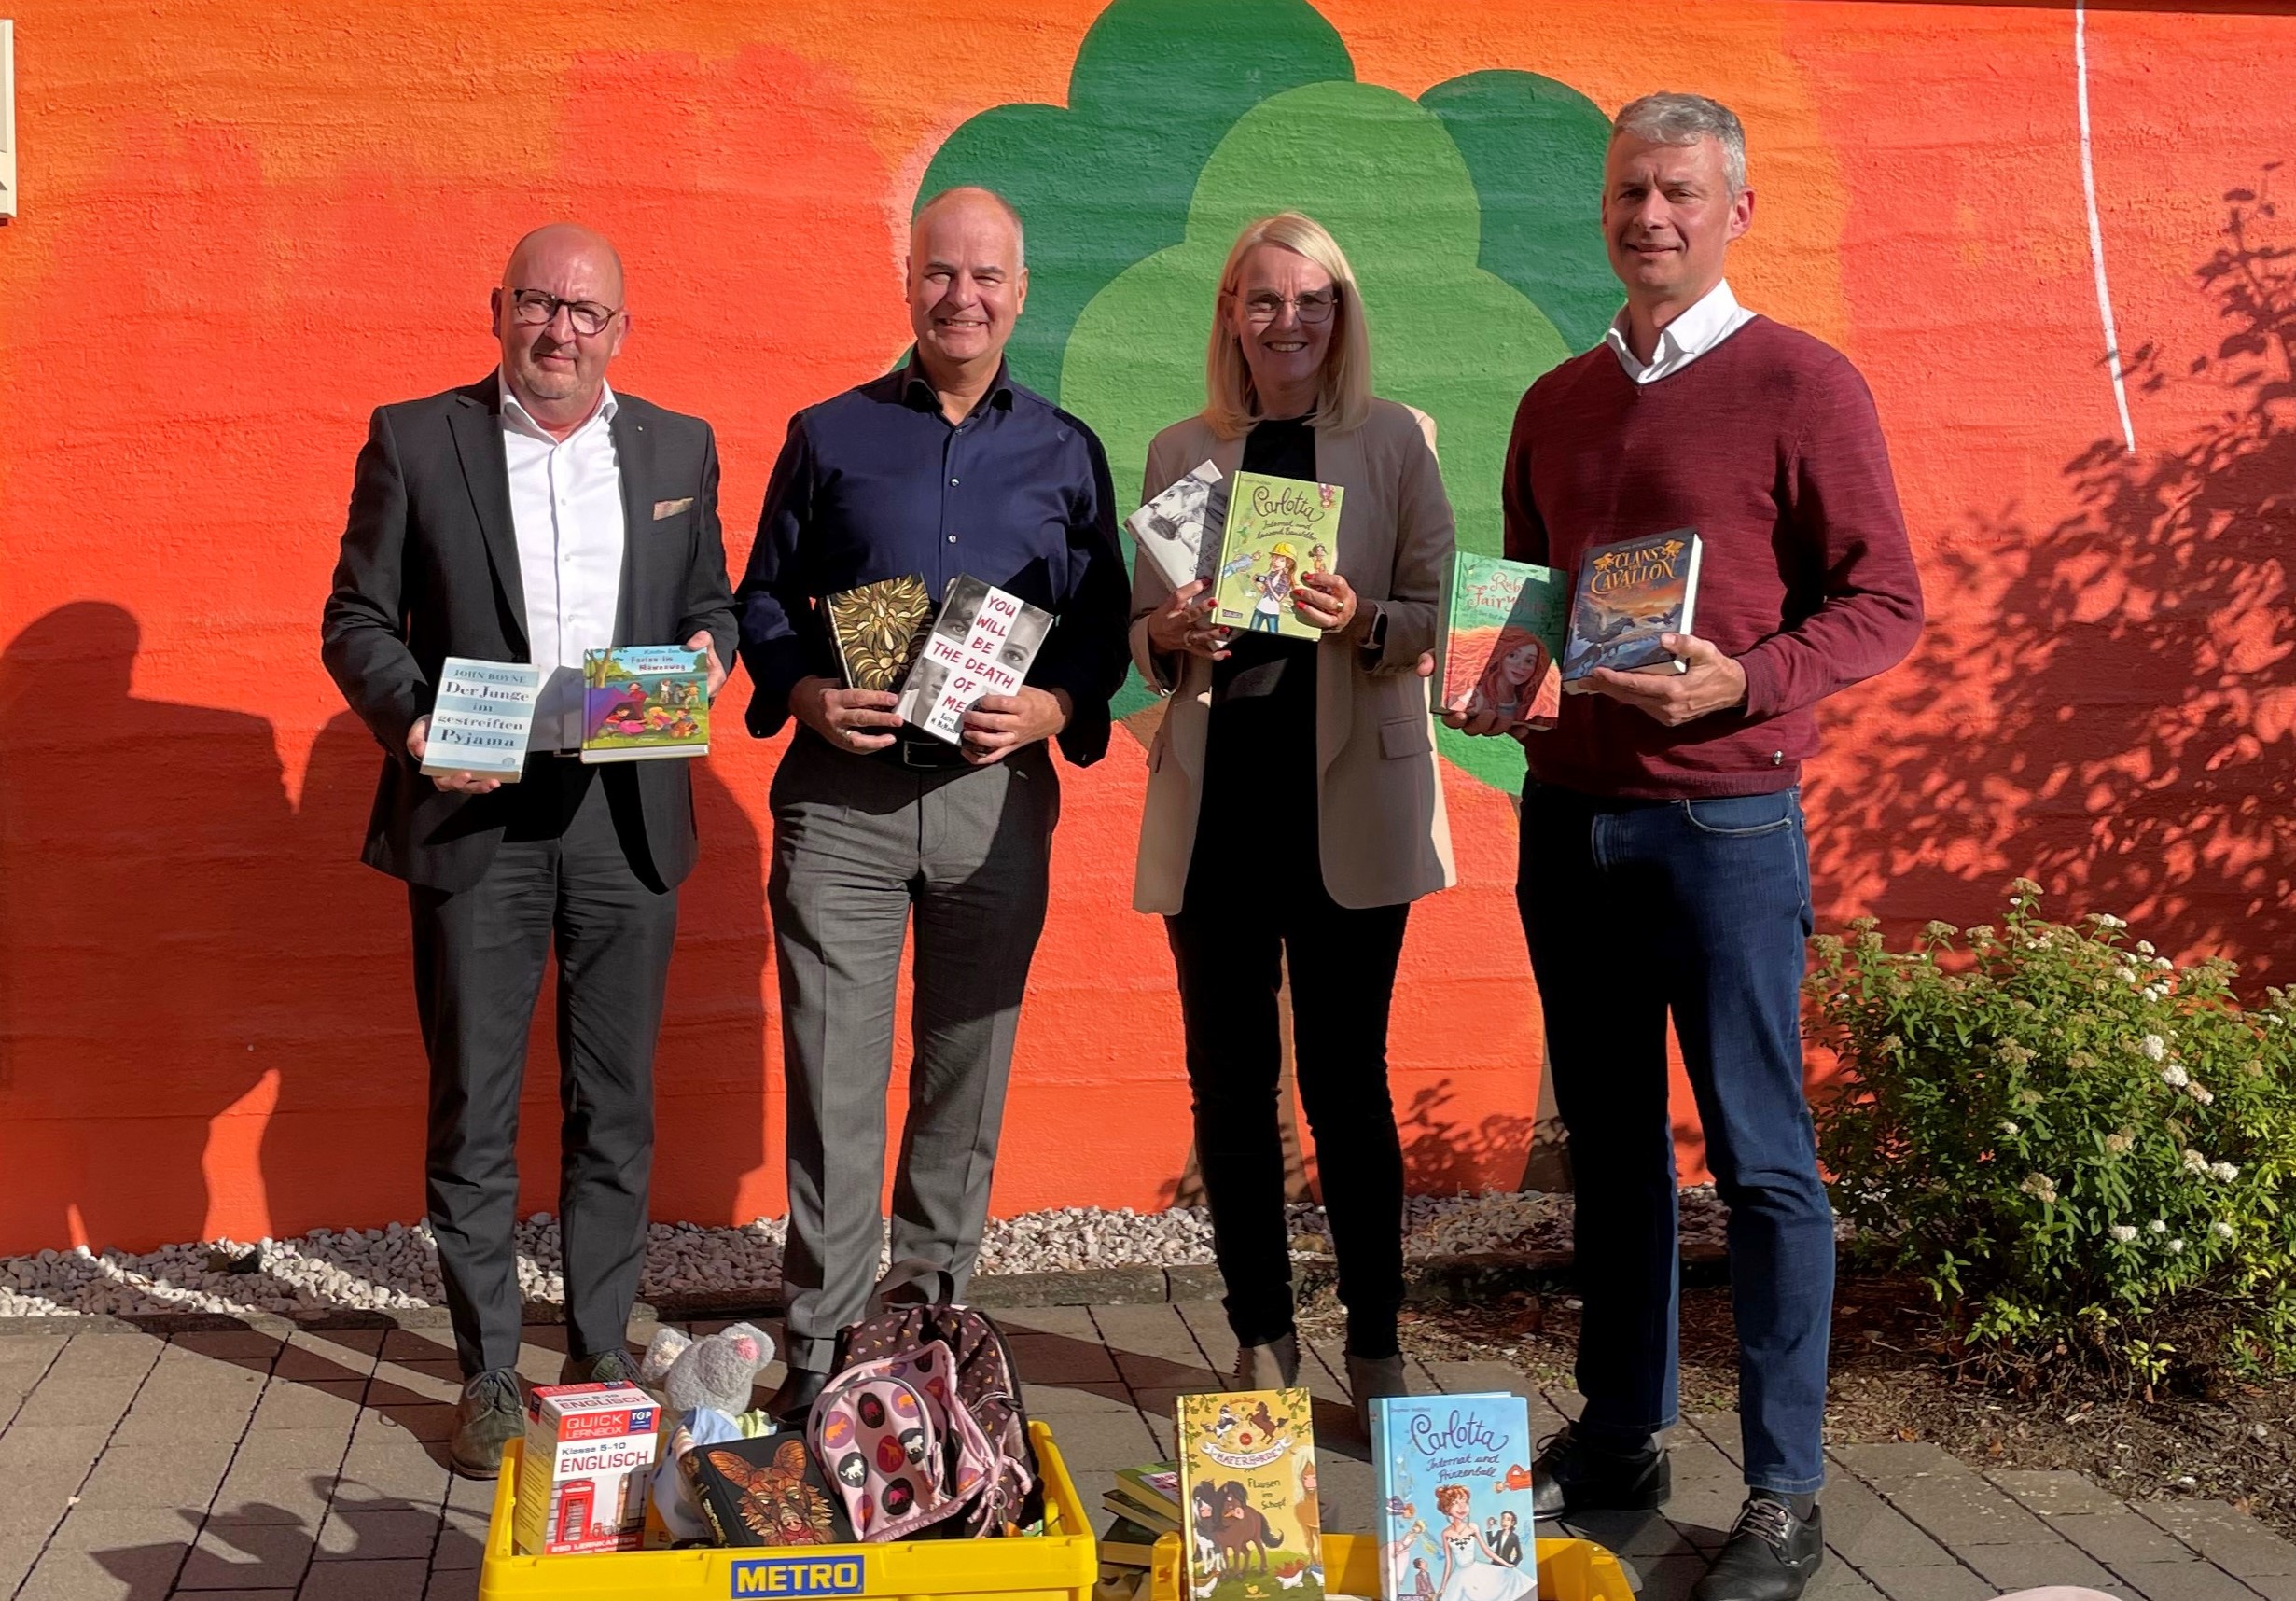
x=2122, y=720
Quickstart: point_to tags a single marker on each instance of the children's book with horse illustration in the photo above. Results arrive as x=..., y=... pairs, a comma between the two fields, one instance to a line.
x=1247, y=1490
x=1279, y=530
x=1454, y=1498
x=645, y=701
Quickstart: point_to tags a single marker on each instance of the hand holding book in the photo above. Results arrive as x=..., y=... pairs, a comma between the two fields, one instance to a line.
x=1709, y=682
x=1183, y=625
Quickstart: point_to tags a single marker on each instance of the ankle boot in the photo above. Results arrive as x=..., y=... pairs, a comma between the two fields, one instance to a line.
x=1369, y=1378
x=1275, y=1365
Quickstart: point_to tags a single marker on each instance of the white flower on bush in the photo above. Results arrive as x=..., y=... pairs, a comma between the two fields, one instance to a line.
x=2220, y=1229
x=2225, y=1171
x=2154, y=1048
x=2107, y=920
x=2196, y=1163
x=2176, y=1247
x=2010, y=1130
x=2144, y=947
x=2119, y=1141
x=2174, y=1077
x=2041, y=1187
x=2122, y=1232
x=2162, y=963
x=2201, y=1094
x=2158, y=1225
x=2156, y=992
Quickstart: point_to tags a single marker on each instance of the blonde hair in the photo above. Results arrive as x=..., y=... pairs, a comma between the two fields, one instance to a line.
x=1345, y=398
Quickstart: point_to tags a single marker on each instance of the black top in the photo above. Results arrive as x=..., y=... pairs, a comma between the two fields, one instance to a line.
x=1260, y=744
x=877, y=483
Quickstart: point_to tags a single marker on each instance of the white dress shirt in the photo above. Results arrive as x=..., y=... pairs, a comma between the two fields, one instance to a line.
x=1714, y=318
x=567, y=503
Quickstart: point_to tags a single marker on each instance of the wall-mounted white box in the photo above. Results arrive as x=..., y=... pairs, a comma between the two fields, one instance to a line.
x=8, y=119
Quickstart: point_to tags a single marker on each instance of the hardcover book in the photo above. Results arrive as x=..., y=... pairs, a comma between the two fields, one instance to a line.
x=1454, y=1493
x=1124, y=1507
x=1128, y=1545
x=644, y=701
x=878, y=629
x=1502, y=627
x=1180, y=529
x=763, y=1491
x=1156, y=1487
x=983, y=643
x=1278, y=531
x=1629, y=594
x=481, y=718
x=1247, y=1482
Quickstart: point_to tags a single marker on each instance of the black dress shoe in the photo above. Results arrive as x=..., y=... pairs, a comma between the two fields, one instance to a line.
x=606, y=1367
x=1770, y=1554
x=793, y=1403
x=1573, y=1476
x=489, y=1415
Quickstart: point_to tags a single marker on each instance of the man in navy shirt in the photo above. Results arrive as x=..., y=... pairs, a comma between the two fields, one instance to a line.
x=944, y=467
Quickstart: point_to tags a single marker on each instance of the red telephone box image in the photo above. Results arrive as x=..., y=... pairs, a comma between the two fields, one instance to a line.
x=574, y=1501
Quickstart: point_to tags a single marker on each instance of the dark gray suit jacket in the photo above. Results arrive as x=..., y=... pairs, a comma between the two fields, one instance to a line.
x=430, y=569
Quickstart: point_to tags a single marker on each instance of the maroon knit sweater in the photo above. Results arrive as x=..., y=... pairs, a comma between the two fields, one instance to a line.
x=1769, y=446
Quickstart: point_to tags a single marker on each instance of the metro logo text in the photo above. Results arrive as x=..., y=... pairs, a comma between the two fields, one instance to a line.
x=797, y=1576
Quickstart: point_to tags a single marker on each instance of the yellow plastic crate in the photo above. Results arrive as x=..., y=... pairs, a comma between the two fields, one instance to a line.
x=1568, y=1571
x=1060, y=1565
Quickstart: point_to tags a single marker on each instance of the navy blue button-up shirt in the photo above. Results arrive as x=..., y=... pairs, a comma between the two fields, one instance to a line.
x=876, y=483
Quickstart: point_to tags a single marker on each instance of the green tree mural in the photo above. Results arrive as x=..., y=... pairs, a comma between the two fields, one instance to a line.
x=1468, y=216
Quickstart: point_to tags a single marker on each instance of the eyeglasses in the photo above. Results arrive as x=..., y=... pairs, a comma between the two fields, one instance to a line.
x=1266, y=306
x=536, y=307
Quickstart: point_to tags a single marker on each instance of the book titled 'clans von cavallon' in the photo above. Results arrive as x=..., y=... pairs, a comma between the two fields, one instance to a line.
x=983, y=643
x=1453, y=1492
x=1502, y=628
x=1629, y=594
x=1247, y=1484
x=481, y=718
x=1279, y=530
x=644, y=701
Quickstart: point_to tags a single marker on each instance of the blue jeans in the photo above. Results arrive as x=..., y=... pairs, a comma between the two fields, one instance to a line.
x=1635, y=909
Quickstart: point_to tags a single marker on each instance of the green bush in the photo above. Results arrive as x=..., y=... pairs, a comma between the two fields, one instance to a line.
x=2077, y=1145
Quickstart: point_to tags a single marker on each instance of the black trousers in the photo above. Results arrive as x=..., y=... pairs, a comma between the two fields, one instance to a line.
x=1230, y=959
x=573, y=873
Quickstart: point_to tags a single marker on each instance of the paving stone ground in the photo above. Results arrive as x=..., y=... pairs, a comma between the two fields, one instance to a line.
x=224, y=1467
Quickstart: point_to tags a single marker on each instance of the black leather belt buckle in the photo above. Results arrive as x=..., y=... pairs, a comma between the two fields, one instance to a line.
x=922, y=757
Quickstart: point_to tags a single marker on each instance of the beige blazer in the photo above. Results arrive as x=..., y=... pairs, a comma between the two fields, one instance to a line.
x=1386, y=838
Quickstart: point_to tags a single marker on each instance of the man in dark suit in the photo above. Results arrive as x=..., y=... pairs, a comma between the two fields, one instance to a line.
x=529, y=517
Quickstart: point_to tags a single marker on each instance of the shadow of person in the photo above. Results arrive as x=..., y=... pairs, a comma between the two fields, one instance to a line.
x=148, y=976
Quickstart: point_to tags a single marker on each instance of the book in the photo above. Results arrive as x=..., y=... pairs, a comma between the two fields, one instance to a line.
x=878, y=629
x=1156, y=1487
x=1128, y=1544
x=642, y=702
x=764, y=1491
x=1131, y=1510
x=1179, y=530
x=481, y=718
x=983, y=643
x=1629, y=592
x=1502, y=625
x=1278, y=531
x=1452, y=1488
x=589, y=1453
x=1248, y=1482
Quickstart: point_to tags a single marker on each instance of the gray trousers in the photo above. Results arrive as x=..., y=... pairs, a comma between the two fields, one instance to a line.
x=561, y=876
x=860, y=848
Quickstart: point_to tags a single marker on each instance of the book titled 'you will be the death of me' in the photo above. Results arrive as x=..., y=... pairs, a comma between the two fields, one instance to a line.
x=1629, y=594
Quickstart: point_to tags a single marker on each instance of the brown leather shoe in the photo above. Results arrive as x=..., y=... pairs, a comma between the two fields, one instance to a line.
x=490, y=1414
x=606, y=1367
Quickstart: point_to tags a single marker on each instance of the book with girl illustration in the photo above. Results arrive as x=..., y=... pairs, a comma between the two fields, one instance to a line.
x=1279, y=530
x=644, y=701
x=1454, y=1498
x=1247, y=1490
x=1502, y=625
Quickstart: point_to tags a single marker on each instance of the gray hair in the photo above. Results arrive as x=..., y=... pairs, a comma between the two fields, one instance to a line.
x=1685, y=119
x=981, y=192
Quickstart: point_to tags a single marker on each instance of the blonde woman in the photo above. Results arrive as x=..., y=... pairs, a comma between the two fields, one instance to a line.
x=1294, y=809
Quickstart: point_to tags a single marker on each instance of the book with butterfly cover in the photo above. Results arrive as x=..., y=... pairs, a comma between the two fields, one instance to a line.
x=766, y=1491
x=1629, y=594
x=1247, y=1482
x=878, y=629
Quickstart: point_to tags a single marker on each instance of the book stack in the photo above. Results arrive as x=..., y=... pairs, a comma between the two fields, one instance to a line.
x=1144, y=1504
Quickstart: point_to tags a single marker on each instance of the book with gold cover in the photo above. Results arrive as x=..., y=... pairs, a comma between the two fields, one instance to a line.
x=878, y=629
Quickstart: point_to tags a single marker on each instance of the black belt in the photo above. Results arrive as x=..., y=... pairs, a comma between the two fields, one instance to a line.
x=919, y=754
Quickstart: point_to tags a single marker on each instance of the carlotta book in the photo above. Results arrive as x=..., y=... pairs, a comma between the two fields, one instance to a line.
x=644, y=701
x=1279, y=530
x=1454, y=1493
x=878, y=629
x=1502, y=628
x=1629, y=594
x=1247, y=1483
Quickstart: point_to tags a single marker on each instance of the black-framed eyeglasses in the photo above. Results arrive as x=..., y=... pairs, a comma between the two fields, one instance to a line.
x=1267, y=306
x=535, y=307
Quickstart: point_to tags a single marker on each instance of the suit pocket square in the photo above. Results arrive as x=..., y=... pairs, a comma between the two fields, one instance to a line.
x=671, y=507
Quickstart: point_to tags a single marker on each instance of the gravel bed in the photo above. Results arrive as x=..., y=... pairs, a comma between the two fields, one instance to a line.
x=396, y=1267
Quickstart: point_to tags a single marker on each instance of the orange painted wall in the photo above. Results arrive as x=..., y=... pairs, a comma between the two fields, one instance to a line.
x=244, y=224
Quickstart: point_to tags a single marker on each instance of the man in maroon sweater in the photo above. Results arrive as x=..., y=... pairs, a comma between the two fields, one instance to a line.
x=1663, y=864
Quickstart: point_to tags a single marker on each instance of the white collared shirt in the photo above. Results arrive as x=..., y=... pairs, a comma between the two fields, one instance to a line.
x=567, y=504
x=1714, y=318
